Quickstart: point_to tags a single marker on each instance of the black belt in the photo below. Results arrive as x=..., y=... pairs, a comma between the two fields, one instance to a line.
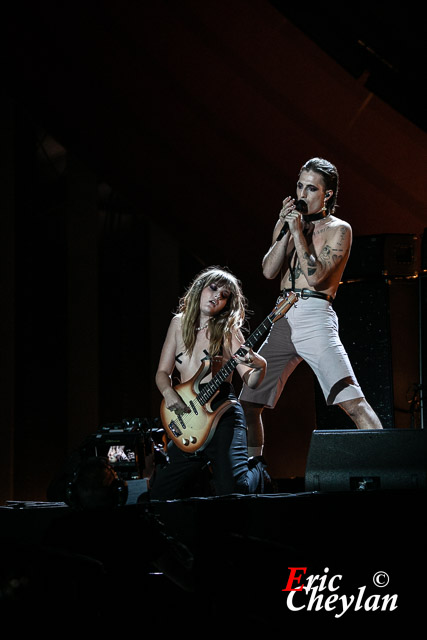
x=308, y=293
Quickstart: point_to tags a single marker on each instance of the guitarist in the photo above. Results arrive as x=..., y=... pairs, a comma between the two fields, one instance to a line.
x=309, y=250
x=208, y=324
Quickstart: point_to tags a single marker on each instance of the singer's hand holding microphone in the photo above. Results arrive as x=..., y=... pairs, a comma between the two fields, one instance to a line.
x=288, y=207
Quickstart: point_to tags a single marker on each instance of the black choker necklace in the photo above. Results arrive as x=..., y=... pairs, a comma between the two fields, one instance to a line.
x=315, y=216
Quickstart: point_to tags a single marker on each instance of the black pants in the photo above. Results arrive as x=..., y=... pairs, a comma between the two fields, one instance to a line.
x=227, y=454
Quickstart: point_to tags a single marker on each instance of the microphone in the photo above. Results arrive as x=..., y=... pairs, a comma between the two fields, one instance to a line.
x=300, y=206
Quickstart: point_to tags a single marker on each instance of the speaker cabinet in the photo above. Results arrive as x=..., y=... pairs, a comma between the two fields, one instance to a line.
x=379, y=328
x=371, y=460
x=423, y=348
x=392, y=255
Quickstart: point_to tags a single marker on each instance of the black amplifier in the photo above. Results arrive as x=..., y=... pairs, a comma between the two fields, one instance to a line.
x=392, y=255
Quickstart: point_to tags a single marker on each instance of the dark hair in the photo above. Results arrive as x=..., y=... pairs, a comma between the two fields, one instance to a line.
x=330, y=177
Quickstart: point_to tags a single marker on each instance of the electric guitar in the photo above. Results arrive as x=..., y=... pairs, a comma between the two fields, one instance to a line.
x=193, y=431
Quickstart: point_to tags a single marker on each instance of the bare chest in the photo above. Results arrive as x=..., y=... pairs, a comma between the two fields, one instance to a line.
x=188, y=365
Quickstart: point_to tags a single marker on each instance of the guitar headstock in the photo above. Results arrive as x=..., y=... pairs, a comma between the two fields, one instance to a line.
x=283, y=307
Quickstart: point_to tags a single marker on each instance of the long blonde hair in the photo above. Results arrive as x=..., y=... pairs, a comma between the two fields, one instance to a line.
x=222, y=325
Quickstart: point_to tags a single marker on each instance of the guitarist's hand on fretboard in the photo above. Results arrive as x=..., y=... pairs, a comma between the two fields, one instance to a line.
x=255, y=362
x=250, y=359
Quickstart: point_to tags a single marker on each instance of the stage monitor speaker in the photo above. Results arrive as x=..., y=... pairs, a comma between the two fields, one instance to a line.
x=367, y=460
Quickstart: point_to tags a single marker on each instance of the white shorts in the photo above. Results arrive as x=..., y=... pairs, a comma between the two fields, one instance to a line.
x=309, y=332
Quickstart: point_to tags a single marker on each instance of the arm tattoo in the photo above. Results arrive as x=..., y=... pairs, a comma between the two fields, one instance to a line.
x=311, y=264
x=331, y=256
x=343, y=233
x=326, y=251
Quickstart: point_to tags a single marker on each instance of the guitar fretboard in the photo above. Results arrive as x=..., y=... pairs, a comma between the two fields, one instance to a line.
x=211, y=387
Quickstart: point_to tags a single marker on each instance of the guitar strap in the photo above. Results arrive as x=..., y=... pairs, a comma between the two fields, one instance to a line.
x=216, y=362
x=292, y=264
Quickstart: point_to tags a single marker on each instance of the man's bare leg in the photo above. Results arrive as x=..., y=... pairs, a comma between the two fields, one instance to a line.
x=362, y=414
x=255, y=428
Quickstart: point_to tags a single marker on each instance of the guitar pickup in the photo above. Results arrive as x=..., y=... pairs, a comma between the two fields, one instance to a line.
x=174, y=429
x=193, y=408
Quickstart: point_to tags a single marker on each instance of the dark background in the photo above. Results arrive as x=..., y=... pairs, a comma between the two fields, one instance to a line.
x=142, y=141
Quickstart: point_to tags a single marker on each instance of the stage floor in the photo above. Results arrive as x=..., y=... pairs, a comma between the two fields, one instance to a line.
x=204, y=561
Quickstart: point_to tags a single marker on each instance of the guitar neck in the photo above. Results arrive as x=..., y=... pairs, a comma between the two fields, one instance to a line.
x=213, y=385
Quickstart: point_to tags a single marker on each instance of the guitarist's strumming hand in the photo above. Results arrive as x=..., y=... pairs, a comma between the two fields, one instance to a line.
x=174, y=402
